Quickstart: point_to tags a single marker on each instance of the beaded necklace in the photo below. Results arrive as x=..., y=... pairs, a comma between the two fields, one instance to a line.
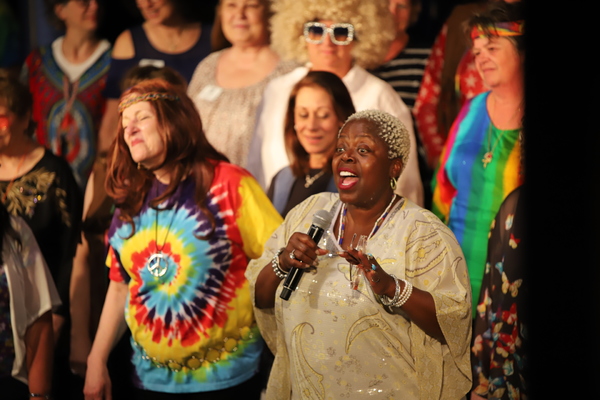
x=376, y=227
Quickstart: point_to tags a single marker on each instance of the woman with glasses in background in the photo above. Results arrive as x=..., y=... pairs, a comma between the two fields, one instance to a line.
x=342, y=37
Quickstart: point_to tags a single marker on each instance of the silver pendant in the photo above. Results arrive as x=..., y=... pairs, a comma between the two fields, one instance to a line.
x=158, y=264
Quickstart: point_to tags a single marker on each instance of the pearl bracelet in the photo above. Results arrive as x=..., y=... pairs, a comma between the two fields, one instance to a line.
x=399, y=298
x=281, y=274
x=405, y=294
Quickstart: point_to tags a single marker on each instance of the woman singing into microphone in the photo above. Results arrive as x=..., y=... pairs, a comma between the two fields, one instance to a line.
x=384, y=306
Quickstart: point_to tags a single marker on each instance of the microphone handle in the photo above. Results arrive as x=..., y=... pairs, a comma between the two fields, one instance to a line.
x=291, y=282
x=293, y=278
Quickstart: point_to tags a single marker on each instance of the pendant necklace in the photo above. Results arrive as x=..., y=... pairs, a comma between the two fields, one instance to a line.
x=158, y=262
x=309, y=180
x=378, y=223
x=487, y=157
x=489, y=154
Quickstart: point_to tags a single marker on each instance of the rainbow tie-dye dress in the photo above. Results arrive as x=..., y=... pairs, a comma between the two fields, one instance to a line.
x=190, y=316
x=467, y=195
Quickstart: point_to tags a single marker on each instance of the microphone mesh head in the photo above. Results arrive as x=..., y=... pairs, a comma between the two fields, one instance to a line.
x=322, y=219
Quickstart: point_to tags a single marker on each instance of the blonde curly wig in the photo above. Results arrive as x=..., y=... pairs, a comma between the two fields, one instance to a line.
x=372, y=20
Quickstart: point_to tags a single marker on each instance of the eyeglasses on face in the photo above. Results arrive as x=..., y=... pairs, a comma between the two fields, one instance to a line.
x=341, y=34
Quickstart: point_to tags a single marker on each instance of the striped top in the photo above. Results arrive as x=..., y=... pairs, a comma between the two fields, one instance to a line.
x=466, y=195
x=405, y=72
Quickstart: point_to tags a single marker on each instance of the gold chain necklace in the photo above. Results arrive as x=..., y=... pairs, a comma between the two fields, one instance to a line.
x=309, y=180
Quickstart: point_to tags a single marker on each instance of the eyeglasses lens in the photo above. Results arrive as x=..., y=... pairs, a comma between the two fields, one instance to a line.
x=341, y=34
x=315, y=33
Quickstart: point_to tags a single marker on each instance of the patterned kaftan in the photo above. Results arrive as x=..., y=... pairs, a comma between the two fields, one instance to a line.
x=331, y=342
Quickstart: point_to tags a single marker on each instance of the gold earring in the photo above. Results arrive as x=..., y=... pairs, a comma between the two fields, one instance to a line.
x=139, y=166
x=393, y=183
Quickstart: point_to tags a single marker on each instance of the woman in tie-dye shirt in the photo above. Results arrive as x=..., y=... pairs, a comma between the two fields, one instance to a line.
x=186, y=226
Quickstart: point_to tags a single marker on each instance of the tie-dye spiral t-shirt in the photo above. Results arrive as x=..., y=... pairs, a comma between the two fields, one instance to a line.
x=189, y=307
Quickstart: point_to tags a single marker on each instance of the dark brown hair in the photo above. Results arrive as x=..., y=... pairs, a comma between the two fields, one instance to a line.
x=50, y=9
x=218, y=40
x=415, y=10
x=496, y=12
x=16, y=97
x=188, y=153
x=342, y=104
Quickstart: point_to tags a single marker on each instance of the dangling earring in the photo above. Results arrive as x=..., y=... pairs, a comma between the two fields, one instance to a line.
x=393, y=183
x=139, y=166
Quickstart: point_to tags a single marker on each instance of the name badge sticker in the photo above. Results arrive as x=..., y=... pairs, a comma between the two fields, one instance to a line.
x=152, y=62
x=210, y=93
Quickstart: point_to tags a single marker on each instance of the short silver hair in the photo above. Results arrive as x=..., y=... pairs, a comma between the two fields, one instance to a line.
x=389, y=128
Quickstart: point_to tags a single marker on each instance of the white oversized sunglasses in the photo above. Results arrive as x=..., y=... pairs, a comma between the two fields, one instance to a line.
x=340, y=34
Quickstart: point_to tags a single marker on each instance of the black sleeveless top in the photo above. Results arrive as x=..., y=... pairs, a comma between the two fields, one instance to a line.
x=185, y=63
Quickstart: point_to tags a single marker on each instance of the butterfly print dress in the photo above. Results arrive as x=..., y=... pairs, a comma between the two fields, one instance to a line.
x=500, y=334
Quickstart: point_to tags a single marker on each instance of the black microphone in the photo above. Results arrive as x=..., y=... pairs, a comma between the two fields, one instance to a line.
x=321, y=221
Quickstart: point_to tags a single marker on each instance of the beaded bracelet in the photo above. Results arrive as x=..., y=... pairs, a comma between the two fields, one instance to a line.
x=386, y=301
x=43, y=396
x=281, y=274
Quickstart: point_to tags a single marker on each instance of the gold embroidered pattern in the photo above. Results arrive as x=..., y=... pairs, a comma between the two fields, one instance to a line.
x=33, y=188
x=375, y=324
x=312, y=384
x=427, y=250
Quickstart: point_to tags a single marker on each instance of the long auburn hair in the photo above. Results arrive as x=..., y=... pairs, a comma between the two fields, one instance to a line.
x=188, y=153
x=342, y=105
